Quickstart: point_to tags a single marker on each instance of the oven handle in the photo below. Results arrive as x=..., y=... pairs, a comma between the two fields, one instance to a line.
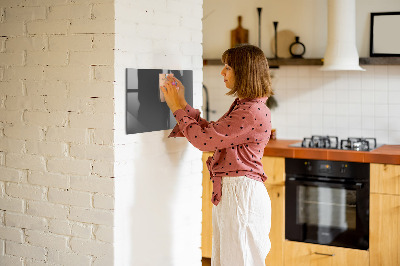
x=324, y=254
x=357, y=185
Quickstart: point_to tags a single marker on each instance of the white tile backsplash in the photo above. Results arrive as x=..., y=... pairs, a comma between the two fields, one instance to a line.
x=343, y=103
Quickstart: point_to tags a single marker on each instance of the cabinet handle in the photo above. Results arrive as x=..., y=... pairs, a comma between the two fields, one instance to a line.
x=324, y=254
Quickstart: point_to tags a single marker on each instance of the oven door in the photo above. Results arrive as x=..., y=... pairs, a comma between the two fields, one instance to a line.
x=327, y=213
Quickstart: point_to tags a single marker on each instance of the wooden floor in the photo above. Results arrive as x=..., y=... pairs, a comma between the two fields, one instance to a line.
x=206, y=261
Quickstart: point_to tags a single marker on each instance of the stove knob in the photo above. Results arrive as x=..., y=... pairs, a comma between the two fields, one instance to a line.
x=343, y=168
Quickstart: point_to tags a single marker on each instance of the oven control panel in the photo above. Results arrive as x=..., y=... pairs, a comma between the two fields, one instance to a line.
x=337, y=169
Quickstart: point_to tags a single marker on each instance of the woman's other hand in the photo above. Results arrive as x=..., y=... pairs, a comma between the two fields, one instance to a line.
x=172, y=95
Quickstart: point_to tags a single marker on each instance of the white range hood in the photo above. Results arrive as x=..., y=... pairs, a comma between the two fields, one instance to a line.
x=341, y=51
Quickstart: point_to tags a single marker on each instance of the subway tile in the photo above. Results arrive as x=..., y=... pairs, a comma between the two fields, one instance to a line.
x=394, y=110
x=382, y=110
x=394, y=97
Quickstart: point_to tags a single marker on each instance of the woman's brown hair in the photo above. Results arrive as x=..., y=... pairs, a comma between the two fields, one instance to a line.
x=250, y=66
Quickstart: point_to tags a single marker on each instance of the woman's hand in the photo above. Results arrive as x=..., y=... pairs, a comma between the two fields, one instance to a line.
x=171, y=94
x=181, y=90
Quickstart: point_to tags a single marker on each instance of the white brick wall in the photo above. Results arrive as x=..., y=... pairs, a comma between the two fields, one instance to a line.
x=56, y=132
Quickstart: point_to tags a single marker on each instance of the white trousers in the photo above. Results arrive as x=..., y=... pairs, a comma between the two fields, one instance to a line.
x=241, y=223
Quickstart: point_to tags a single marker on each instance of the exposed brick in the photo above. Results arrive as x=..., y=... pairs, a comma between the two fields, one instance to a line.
x=95, y=216
x=24, y=73
x=12, y=117
x=2, y=44
x=12, y=145
x=102, y=136
x=24, y=13
x=74, y=135
x=68, y=258
x=71, y=43
x=104, y=41
x=45, y=27
x=92, y=58
x=103, y=202
x=104, y=73
x=31, y=103
x=104, y=169
x=70, y=166
x=107, y=259
x=92, y=151
x=67, y=73
x=11, y=59
x=56, y=103
x=91, y=89
x=82, y=230
x=104, y=11
x=11, y=88
x=104, y=233
x=47, y=58
x=25, y=250
x=11, y=260
x=93, y=184
x=25, y=191
x=25, y=161
x=70, y=12
x=46, y=148
x=47, y=240
x=46, y=2
x=24, y=132
x=12, y=28
x=91, y=247
x=91, y=26
x=46, y=88
x=98, y=120
x=11, y=233
x=48, y=179
x=46, y=118
x=60, y=227
x=12, y=204
x=22, y=43
x=25, y=221
x=46, y=209
x=69, y=197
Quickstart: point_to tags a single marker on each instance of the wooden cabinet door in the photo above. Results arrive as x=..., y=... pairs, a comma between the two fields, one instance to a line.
x=304, y=254
x=277, y=233
x=384, y=236
x=274, y=168
x=385, y=178
x=206, y=226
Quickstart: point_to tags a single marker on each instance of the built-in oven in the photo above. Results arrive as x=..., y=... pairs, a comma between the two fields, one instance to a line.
x=327, y=202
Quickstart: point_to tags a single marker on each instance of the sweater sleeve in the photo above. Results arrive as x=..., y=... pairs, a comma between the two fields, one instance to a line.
x=193, y=113
x=229, y=131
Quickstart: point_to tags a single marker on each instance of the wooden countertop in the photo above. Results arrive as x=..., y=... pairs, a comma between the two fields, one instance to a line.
x=389, y=154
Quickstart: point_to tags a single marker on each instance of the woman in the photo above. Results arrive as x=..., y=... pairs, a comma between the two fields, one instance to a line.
x=242, y=208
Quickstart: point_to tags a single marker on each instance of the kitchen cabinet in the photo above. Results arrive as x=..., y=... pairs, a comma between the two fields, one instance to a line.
x=206, y=225
x=274, y=168
x=385, y=214
x=305, y=254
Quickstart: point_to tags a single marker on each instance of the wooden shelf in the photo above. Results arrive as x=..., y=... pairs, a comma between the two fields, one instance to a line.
x=380, y=61
x=274, y=63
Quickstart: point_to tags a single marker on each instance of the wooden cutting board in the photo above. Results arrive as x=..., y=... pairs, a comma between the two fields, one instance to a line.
x=239, y=35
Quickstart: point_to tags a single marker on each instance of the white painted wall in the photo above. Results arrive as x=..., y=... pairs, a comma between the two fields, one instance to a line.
x=56, y=132
x=344, y=103
x=158, y=180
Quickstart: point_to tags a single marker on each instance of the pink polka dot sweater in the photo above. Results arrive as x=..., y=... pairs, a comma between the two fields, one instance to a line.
x=238, y=139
